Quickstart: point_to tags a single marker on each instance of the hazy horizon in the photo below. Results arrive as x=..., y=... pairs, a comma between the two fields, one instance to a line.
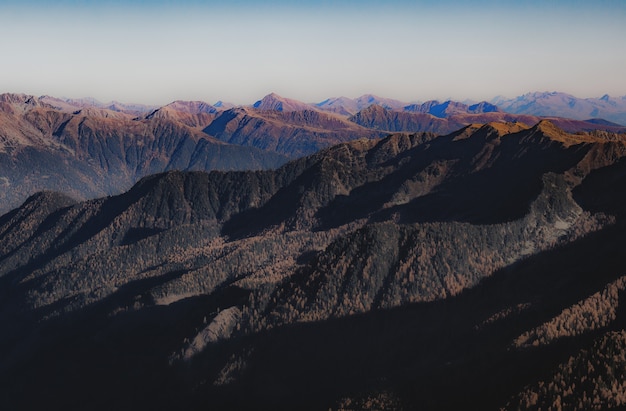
x=161, y=51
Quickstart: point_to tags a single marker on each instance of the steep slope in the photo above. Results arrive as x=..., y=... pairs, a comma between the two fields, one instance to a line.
x=292, y=133
x=92, y=152
x=374, y=273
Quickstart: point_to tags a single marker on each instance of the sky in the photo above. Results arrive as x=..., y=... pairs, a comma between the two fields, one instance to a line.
x=158, y=51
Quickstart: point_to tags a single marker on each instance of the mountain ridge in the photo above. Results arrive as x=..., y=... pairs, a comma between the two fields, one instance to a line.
x=92, y=152
x=538, y=103
x=307, y=285
x=566, y=105
x=69, y=144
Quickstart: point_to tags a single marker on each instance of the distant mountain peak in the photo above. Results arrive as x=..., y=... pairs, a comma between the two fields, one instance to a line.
x=222, y=105
x=275, y=102
x=192, y=106
x=347, y=106
x=483, y=107
x=558, y=104
x=450, y=107
x=368, y=99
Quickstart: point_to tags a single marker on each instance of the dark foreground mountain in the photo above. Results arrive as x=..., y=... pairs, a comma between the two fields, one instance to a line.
x=477, y=270
x=91, y=152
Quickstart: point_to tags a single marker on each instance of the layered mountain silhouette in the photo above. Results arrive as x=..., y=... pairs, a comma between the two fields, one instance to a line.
x=566, y=105
x=69, y=104
x=448, y=117
x=86, y=148
x=293, y=133
x=90, y=152
x=449, y=108
x=612, y=110
x=347, y=106
x=476, y=269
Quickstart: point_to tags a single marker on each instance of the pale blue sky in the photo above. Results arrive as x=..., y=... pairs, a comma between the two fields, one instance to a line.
x=158, y=51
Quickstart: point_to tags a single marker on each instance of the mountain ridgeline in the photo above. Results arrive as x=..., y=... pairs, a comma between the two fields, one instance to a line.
x=91, y=152
x=89, y=149
x=476, y=269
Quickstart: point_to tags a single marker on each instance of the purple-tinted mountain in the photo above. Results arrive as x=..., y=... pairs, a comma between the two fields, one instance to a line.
x=223, y=105
x=379, y=118
x=68, y=104
x=450, y=108
x=274, y=102
x=565, y=105
x=197, y=114
x=91, y=152
x=293, y=133
x=347, y=106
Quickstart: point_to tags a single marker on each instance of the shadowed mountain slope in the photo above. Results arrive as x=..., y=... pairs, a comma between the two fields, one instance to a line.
x=450, y=108
x=372, y=274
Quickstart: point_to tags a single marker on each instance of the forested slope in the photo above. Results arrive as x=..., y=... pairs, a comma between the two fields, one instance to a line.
x=479, y=269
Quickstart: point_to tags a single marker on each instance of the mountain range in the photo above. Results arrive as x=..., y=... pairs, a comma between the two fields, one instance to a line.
x=542, y=104
x=480, y=268
x=565, y=105
x=88, y=149
x=91, y=152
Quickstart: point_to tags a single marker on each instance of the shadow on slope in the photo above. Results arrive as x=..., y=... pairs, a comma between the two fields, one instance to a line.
x=483, y=179
x=429, y=355
x=435, y=355
x=110, y=355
